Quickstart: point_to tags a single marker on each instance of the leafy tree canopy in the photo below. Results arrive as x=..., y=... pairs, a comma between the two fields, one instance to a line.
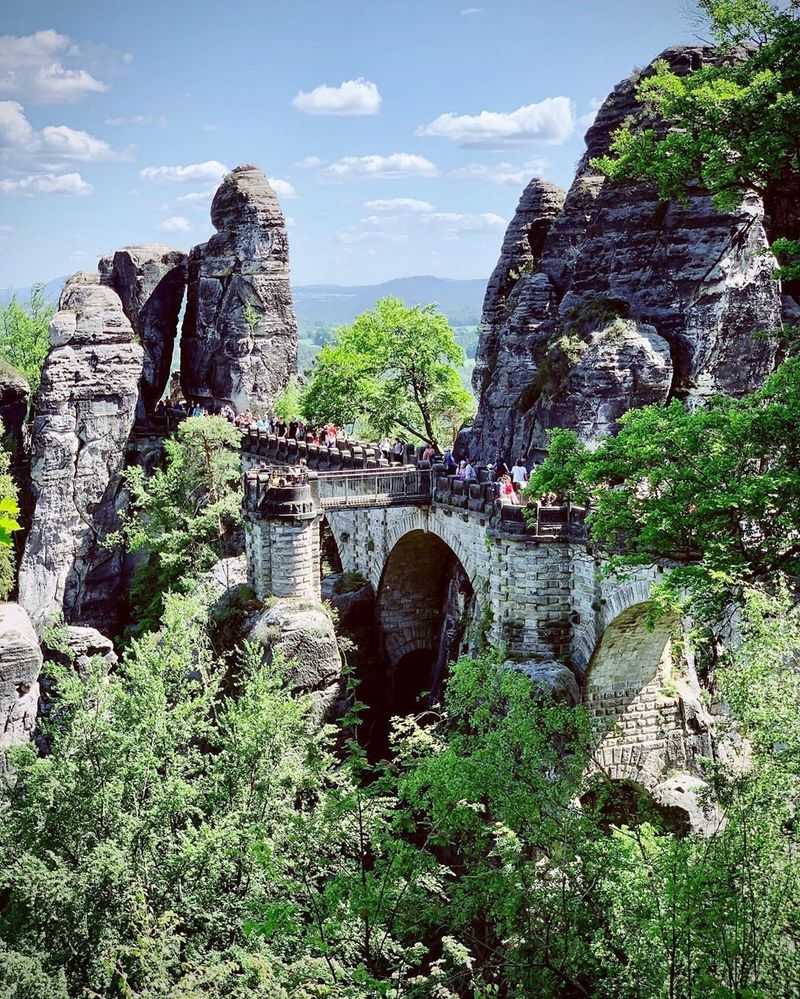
x=734, y=125
x=715, y=489
x=24, y=337
x=182, y=515
x=9, y=512
x=396, y=370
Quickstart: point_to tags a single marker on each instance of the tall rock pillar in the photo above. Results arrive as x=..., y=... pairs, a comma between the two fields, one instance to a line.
x=239, y=341
x=85, y=410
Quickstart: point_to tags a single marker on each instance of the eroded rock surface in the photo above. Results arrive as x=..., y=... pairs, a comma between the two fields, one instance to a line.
x=20, y=665
x=85, y=410
x=239, y=342
x=552, y=677
x=689, y=279
x=150, y=281
x=303, y=634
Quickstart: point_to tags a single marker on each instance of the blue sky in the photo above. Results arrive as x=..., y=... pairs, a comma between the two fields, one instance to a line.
x=400, y=134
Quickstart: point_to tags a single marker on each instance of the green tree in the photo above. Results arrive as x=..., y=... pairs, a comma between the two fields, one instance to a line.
x=715, y=490
x=288, y=403
x=9, y=512
x=182, y=517
x=128, y=851
x=24, y=337
x=733, y=125
x=395, y=369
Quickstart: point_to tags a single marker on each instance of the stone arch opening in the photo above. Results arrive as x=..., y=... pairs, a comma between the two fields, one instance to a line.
x=424, y=606
x=627, y=803
x=330, y=559
x=631, y=696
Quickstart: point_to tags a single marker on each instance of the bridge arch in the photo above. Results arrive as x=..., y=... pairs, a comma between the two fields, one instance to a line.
x=629, y=692
x=425, y=600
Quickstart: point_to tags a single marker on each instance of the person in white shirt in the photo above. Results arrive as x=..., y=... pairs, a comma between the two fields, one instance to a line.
x=519, y=473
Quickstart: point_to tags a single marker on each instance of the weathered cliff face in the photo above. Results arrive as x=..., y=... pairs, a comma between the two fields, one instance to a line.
x=239, y=341
x=85, y=409
x=150, y=281
x=631, y=301
x=20, y=664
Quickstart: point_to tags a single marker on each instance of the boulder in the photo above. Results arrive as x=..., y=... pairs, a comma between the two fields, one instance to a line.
x=20, y=665
x=353, y=600
x=239, y=341
x=76, y=646
x=150, y=281
x=690, y=279
x=85, y=409
x=689, y=795
x=552, y=677
x=302, y=633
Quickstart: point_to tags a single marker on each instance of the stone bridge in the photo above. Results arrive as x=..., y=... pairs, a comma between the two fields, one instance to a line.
x=538, y=592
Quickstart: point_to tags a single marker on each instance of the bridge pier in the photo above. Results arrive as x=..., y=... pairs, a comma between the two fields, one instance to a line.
x=282, y=514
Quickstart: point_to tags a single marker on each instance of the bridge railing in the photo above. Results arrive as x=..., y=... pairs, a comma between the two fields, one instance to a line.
x=374, y=487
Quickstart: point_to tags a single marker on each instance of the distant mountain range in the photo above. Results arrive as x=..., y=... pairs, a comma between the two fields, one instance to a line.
x=333, y=304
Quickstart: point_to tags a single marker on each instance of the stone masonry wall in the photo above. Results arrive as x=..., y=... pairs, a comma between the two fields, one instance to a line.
x=283, y=558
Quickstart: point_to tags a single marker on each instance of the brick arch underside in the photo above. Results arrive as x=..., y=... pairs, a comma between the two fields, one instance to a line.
x=640, y=732
x=411, y=591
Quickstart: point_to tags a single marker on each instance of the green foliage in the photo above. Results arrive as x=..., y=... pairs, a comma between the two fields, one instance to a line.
x=182, y=515
x=733, y=126
x=128, y=861
x=251, y=316
x=287, y=404
x=24, y=338
x=396, y=370
x=716, y=489
x=9, y=513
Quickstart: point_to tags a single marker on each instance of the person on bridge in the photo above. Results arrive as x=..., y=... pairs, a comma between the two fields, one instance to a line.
x=519, y=473
x=450, y=465
x=428, y=454
x=508, y=493
x=470, y=475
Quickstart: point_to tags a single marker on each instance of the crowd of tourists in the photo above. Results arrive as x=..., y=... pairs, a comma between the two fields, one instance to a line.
x=511, y=480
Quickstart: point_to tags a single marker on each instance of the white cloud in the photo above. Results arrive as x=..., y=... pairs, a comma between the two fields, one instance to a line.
x=15, y=129
x=551, y=120
x=282, y=187
x=587, y=119
x=501, y=173
x=72, y=144
x=457, y=223
x=58, y=141
x=310, y=162
x=413, y=205
x=175, y=223
x=31, y=69
x=210, y=170
x=393, y=165
x=47, y=183
x=352, y=97
x=467, y=11
x=137, y=119
x=197, y=196
x=350, y=237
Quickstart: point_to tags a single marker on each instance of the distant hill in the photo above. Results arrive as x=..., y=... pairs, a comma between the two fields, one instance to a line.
x=333, y=304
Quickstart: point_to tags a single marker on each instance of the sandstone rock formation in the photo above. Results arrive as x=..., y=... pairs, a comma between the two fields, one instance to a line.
x=150, y=281
x=239, y=341
x=303, y=634
x=77, y=646
x=20, y=664
x=85, y=410
x=554, y=678
x=695, y=286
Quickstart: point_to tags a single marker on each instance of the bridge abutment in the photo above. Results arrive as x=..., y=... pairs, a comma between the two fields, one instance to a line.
x=282, y=514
